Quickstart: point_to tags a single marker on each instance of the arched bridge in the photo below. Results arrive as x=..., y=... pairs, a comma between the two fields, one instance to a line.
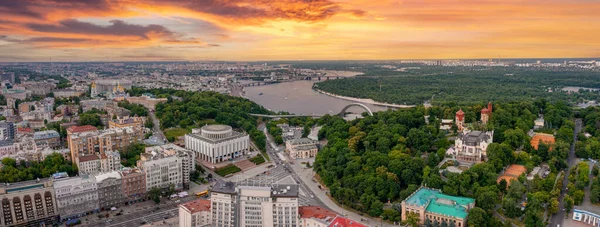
x=341, y=114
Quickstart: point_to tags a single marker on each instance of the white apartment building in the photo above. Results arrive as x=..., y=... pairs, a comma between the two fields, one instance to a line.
x=217, y=143
x=165, y=165
x=76, y=196
x=254, y=206
x=195, y=214
x=95, y=164
x=223, y=198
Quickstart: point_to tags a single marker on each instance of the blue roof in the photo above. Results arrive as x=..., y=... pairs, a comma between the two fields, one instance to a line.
x=440, y=203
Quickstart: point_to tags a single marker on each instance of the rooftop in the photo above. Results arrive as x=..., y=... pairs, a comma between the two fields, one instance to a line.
x=224, y=187
x=284, y=190
x=25, y=185
x=440, y=203
x=301, y=141
x=46, y=134
x=196, y=206
x=216, y=128
x=104, y=176
x=316, y=212
x=88, y=158
x=344, y=222
x=84, y=128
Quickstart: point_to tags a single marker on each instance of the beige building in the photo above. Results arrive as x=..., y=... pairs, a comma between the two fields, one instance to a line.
x=223, y=198
x=167, y=165
x=28, y=203
x=122, y=122
x=87, y=140
x=195, y=214
x=301, y=148
x=431, y=205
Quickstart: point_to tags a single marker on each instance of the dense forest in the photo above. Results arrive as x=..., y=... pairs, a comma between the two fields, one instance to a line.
x=384, y=158
x=465, y=85
x=13, y=171
x=186, y=109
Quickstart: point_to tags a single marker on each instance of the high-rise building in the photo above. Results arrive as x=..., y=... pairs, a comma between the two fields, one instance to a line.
x=167, y=165
x=76, y=196
x=217, y=143
x=87, y=140
x=28, y=203
x=254, y=206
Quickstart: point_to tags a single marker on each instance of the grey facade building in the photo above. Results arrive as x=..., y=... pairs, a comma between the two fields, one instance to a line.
x=76, y=196
x=8, y=130
x=110, y=193
x=28, y=203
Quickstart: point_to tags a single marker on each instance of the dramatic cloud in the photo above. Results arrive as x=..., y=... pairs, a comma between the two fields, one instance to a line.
x=117, y=28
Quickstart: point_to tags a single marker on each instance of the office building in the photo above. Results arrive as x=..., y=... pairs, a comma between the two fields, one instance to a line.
x=76, y=196
x=167, y=165
x=28, y=203
x=433, y=205
x=195, y=214
x=217, y=143
x=110, y=191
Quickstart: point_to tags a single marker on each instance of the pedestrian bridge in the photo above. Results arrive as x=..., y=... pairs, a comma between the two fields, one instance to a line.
x=341, y=114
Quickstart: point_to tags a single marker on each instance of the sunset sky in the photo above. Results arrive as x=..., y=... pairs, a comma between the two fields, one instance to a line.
x=254, y=30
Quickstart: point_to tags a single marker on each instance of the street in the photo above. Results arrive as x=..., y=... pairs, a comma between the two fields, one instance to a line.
x=558, y=218
x=156, y=129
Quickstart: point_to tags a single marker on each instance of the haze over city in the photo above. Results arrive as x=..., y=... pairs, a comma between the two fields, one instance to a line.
x=250, y=30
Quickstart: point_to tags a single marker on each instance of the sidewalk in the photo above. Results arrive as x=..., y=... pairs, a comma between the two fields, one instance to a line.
x=306, y=175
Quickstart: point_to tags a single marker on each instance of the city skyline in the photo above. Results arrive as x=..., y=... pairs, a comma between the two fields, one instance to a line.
x=255, y=30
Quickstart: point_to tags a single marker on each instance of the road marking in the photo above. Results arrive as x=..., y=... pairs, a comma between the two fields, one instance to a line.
x=144, y=217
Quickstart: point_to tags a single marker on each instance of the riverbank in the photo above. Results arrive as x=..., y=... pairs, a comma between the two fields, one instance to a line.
x=364, y=101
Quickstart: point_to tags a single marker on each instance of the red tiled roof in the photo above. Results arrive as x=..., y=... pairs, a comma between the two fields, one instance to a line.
x=198, y=205
x=84, y=128
x=25, y=130
x=315, y=212
x=88, y=158
x=345, y=222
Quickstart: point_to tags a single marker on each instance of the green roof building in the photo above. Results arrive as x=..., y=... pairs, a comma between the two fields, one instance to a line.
x=434, y=205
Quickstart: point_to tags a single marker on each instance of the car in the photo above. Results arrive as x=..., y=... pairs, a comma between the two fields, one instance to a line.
x=142, y=223
x=109, y=220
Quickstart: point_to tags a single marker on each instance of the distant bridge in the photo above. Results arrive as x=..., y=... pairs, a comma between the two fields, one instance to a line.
x=341, y=114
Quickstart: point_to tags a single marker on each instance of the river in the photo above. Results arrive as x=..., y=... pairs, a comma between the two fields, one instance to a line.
x=298, y=97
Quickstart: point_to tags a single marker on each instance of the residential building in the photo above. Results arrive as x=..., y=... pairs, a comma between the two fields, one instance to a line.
x=67, y=93
x=50, y=137
x=28, y=203
x=7, y=130
x=217, y=143
x=122, y=122
x=76, y=196
x=301, y=148
x=134, y=184
x=84, y=140
x=276, y=205
x=433, y=205
x=315, y=216
x=195, y=214
x=223, y=198
x=486, y=113
x=167, y=165
x=7, y=148
x=459, y=120
x=110, y=191
x=103, y=163
x=39, y=88
x=99, y=104
x=471, y=146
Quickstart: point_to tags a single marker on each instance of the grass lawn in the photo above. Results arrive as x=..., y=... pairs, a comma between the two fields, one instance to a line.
x=226, y=170
x=258, y=159
x=176, y=132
